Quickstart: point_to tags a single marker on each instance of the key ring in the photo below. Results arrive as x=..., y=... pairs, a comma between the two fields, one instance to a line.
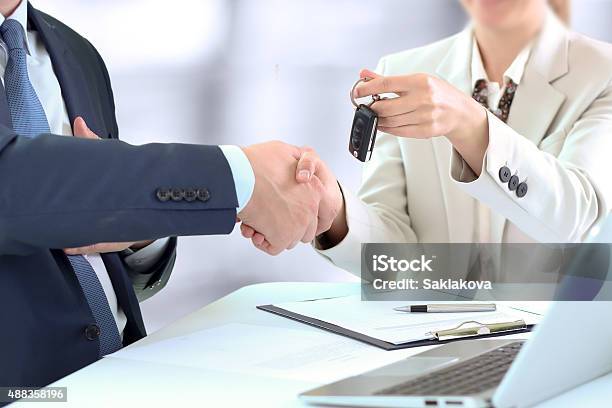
x=375, y=97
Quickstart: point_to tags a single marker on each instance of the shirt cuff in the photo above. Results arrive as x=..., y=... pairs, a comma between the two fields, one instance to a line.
x=144, y=259
x=242, y=172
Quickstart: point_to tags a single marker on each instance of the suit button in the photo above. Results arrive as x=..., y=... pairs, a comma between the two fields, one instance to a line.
x=504, y=174
x=513, y=183
x=203, y=194
x=163, y=194
x=521, y=190
x=92, y=332
x=190, y=194
x=177, y=194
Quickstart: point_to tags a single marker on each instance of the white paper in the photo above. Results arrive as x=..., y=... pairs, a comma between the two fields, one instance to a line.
x=379, y=320
x=308, y=355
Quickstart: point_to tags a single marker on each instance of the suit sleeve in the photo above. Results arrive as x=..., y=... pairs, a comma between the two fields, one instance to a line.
x=60, y=192
x=379, y=212
x=567, y=194
x=152, y=279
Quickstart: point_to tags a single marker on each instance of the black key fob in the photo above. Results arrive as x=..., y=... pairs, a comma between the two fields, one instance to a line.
x=363, y=133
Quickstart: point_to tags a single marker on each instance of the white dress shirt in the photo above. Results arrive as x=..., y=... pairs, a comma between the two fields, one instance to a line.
x=494, y=93
x=242, y=173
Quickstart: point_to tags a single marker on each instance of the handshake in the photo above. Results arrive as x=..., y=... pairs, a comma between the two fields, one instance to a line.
x=295, y=197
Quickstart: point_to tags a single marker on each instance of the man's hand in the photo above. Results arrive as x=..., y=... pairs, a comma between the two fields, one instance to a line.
x=331, y=219
x=101, y=248
x=81, y=130
x=280, y=209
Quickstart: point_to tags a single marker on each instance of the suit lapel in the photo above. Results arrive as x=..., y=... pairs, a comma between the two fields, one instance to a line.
x=76, y=95
x=454, y=68
x=537, y=101
x=122, y=285
x=75, y=90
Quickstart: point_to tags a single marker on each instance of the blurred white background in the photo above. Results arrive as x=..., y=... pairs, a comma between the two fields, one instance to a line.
x=243, y=71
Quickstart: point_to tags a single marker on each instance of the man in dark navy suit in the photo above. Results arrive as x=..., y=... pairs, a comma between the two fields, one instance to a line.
x=84, y=224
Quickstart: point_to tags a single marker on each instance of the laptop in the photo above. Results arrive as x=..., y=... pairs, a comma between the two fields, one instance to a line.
x=571, y=346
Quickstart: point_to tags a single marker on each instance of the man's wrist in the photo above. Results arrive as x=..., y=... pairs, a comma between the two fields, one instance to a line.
x=242, y=173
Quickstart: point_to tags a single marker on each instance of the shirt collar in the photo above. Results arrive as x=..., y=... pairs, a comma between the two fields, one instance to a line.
x=21, y=15
x=514, y=72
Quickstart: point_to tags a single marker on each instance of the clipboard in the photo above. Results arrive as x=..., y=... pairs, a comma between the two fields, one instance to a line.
x=444, y=335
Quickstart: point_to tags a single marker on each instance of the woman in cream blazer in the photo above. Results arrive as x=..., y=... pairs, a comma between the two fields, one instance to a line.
x=441, y=164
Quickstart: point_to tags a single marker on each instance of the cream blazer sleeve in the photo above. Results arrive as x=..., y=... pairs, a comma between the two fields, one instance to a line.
x=567, y=194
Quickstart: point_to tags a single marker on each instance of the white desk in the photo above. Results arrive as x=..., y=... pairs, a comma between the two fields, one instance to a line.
x=118, y=382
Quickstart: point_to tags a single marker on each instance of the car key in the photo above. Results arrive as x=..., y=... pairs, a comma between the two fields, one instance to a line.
x=363, y=131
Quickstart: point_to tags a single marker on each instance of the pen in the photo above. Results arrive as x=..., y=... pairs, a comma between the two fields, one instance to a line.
x=448, y=308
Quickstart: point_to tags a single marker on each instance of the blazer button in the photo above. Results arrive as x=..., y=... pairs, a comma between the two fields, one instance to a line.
x=504, y=174
x=92, y=332
x=177, y=194
x=190, y=194
x=203, y=194
x=163, y=194
x=521, y=190
x=513, y=183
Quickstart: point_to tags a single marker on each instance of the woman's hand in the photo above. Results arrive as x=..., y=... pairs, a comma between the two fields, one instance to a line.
x=331, y=206
x=428, y=107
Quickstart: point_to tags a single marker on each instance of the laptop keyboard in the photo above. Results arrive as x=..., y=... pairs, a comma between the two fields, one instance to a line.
x=471, y=376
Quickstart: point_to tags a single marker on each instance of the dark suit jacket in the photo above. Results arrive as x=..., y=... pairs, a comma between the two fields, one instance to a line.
x=58, y=192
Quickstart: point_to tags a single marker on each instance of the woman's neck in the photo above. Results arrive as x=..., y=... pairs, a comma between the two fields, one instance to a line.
x=499, y=48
